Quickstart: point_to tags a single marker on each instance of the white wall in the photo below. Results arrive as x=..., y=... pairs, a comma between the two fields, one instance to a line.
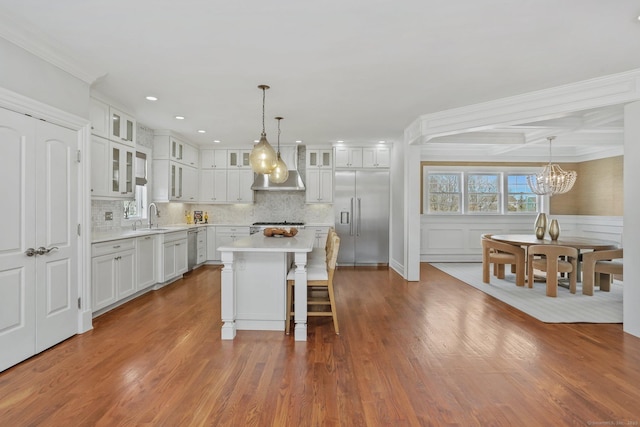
x=28, y=75
x=631, y=236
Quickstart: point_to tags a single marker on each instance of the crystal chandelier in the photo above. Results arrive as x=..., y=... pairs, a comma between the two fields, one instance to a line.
x=552, y=180
x=263, y=156
x=280, y=173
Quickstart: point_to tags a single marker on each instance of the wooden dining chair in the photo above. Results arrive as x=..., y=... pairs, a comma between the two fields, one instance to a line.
x=500, y=254
x=553, y=259
x=598, y=267
x=320, y=294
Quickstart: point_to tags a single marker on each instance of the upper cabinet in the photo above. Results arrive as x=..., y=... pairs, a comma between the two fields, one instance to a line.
x=167, y=147
x=112, y=169
x=319, y=158
x=175, y=169
x=375, y=157
x=213, y=159
x=239, y=159
x=362, y=157
x=112, y=123
x=348, y=157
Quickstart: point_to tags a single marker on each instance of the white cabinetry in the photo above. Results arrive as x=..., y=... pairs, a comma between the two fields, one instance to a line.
x=239, y=186
x=319, y=186
x=113, y=272
x=319, y=176
x=213, y=186
x=348, y=157
x=146, y=262
x=112, y=169
x=238, y=159
x=201, y=245
x=227, y=234
x=319, y=158
x=375, y=157
x=112, y=123
x=173, y=256
x=211, y=244
x=362, y=157
x=213, y=159
x=175, y=173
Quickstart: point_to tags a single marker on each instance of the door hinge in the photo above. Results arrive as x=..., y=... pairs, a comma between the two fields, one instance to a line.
x=79, y=303
x=79, y=156
x=79, y=229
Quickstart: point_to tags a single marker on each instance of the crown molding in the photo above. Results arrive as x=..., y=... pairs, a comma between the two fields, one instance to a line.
x=16, y=32
x=529, y=107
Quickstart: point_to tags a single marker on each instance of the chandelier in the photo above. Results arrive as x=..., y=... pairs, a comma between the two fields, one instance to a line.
x=280, y=173
x=552, y=180
x=263, y=156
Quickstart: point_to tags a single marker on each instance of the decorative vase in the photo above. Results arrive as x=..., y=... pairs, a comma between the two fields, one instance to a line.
x=554, y=229
x=540, y=233
x=541, y=222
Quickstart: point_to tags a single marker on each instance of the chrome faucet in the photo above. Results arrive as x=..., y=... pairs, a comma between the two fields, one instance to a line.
x=152, y=204
x=135, y=224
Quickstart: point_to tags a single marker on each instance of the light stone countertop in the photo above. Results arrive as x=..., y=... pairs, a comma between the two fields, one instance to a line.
x=301, y=242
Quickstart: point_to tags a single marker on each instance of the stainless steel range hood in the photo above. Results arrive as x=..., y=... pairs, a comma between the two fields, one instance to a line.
x=293, y=183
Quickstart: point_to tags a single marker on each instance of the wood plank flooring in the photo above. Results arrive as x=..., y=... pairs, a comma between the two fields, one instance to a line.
x=429, y=353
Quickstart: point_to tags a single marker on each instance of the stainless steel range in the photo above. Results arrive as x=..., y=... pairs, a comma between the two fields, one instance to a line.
x=257, y=227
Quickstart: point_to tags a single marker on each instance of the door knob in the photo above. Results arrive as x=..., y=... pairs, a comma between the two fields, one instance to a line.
x=30, y=252
x=42, y=250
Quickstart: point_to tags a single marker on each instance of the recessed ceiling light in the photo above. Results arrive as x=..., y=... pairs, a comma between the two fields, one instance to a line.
x=256, y=141
x=216, y=141
x=381, y=142
x=179, y=117
x=340, y=141
x=151, y=98
x=202, y=131
x=299, y=141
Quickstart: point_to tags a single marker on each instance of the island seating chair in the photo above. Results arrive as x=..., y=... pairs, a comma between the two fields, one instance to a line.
x=598, y=268
x=500, y=254
x=318, y=256
x=320, y=293
x=553, y=259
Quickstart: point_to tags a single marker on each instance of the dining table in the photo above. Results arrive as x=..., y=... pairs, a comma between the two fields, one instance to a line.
x=580, y=243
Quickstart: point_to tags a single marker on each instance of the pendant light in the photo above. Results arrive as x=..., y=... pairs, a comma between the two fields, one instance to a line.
x=552, y=179
x=263, y=156
x=280, y=173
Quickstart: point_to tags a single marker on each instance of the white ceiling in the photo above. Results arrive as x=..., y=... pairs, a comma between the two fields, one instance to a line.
x=352, y=70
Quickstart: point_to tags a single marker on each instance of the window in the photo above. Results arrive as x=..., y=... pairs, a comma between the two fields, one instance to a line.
x=519, y=195
x=483, y=193
x=478, y=190
x=444, y=193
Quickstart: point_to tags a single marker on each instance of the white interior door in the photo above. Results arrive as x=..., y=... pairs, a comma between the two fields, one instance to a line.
x=56, y=232
x=17, y=234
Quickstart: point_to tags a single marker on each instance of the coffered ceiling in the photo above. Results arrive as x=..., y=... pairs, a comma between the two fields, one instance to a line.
x=355, y=71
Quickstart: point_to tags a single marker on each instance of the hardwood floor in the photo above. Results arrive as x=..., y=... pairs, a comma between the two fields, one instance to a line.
x=435, y=352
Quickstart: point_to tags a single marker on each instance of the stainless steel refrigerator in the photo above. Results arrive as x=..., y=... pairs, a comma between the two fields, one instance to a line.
x=361, y=205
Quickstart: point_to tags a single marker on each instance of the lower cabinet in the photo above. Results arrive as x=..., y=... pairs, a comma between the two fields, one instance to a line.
x=201, y=245
x=113, y=272
x=146, y=255
x=226, y=235
x=173, y=256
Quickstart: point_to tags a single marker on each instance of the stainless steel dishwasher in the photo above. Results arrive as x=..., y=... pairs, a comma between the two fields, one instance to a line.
x=192, y=248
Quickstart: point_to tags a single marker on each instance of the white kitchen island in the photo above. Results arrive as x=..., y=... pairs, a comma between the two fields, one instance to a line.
x=254, y=283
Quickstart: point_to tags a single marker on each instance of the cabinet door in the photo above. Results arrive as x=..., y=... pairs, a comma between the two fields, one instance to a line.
x=246, y=181
x=207, y=159
x=181, y=256
x=177, y=150
x=145, y=262
x=126, y=279
x=375, y=157
x=189, y=184
x=190, y=156
x=123, y=127
x=319, y=158
x=319, y=186
x=169, y=261
x=348, y=157
x=176, y=181
x=233, y=186
x=103, y=281
x=238, y=158
x=100, y=118
x=122, y=172
x=212, y=253
x=100, y=155
x=202, y=245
